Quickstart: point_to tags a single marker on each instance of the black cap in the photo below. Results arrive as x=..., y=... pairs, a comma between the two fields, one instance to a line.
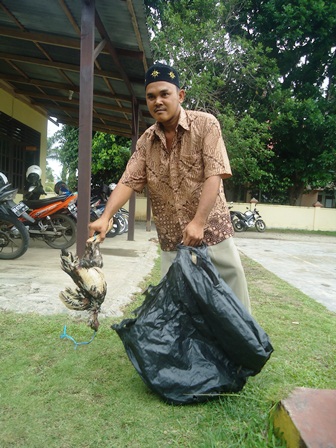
x=162, y=72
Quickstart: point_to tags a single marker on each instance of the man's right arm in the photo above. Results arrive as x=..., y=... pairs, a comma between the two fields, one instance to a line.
x=120, y=195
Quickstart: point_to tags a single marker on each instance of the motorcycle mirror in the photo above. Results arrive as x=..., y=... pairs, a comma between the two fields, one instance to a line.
x=3, y=180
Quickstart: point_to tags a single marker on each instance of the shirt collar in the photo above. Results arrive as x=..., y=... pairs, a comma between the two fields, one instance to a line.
x=183, y=122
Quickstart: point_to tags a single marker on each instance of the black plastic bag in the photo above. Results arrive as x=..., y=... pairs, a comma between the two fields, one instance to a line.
x=192, y=338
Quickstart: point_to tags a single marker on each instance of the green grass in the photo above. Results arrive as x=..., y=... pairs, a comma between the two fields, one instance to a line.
x=302, y=231
x=55, y=396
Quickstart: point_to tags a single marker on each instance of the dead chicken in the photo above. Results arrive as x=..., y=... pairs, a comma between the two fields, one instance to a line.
x=89, y=278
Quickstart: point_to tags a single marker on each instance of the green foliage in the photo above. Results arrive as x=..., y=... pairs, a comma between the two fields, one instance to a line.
x=301, y=135
x=109, y=157
x=246, y=140
x=66, y=148
x=110, y=154
x=49, y=174
x=270, y=67
x=300, y=35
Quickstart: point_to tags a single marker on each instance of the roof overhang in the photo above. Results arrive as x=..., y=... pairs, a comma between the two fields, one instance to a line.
x=40, y=44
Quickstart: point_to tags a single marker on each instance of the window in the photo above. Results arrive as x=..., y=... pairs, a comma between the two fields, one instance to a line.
x=19, y=148
x=327, y=198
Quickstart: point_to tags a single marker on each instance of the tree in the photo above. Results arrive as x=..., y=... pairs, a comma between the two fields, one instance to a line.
x=249, y=154
x=269, y=67
x=110, y=154
x=300, y=37
x=223, y=76
x=66, y=150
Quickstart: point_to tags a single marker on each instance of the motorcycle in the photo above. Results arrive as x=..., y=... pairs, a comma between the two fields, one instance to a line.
x=14, y=236
x=99, y=196
x=51, y=218
x=243, y=221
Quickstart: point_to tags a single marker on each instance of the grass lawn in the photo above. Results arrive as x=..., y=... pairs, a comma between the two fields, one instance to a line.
x=55, y=396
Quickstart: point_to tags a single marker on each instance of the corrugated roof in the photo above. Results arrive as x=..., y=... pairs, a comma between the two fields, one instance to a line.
x=40, y=59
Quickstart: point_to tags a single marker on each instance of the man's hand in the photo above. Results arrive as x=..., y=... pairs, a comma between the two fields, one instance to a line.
x=100, y=227
x=121, y=194
x=193, y=234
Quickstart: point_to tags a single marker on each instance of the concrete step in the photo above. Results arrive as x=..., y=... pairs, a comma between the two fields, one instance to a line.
x=307, y=418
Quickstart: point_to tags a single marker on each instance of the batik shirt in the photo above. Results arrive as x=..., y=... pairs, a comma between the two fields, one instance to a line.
x=175, y=177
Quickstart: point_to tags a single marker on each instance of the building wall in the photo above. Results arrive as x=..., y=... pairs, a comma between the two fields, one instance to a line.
x=309, y=199
x=276, y=216
x=294, y=217
x=17, y=108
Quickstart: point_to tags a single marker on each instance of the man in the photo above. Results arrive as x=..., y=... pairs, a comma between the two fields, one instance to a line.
x=182, y=159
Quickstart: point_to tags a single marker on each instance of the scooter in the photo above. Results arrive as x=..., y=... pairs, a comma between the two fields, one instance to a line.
x=14, y=236
x=243, y=221
x=99, y=196
x=52, y=217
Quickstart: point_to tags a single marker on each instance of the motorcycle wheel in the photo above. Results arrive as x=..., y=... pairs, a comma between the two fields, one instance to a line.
x=115, y=228
x=125, y=217
x=260, y=225
x=119, y=217
x=66, y=231
x=238, y=225
x=14, y=238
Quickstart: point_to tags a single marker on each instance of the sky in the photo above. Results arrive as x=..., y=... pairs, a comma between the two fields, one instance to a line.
x=54, y=164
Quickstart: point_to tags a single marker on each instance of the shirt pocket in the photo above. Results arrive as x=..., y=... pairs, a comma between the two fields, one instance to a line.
x=192, y=166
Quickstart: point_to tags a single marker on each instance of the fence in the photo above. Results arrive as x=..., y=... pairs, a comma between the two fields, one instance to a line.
x=276, y=216
x=292, y=217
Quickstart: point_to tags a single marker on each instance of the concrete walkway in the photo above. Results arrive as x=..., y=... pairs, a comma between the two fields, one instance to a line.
x=32, y=283
x=307, y=262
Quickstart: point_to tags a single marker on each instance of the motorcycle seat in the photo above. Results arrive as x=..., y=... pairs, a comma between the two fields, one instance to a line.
x=37, y=203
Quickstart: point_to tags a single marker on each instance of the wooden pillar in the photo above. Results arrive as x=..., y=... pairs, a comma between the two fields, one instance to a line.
x=135, y=136
x=85, y=122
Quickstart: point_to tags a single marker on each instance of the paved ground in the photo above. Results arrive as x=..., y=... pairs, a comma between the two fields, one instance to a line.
x=305, y=261
x=33, y=282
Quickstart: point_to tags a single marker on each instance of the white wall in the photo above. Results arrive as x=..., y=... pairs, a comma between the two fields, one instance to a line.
x=276, y=216
x=292, y=217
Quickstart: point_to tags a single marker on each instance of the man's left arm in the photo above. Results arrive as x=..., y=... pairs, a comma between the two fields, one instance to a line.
x=193, y=234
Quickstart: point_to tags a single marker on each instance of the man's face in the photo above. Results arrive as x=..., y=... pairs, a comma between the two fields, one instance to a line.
x=163, y=101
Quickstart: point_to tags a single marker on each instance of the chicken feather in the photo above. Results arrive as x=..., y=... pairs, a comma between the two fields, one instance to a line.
x=89, y=279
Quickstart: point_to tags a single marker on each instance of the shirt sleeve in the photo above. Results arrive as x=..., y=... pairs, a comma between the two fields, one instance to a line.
x=135, y=175
x=215, y=157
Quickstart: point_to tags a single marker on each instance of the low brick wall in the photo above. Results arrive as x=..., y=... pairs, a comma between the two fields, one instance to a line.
x=275, y=216
x=292, y=217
